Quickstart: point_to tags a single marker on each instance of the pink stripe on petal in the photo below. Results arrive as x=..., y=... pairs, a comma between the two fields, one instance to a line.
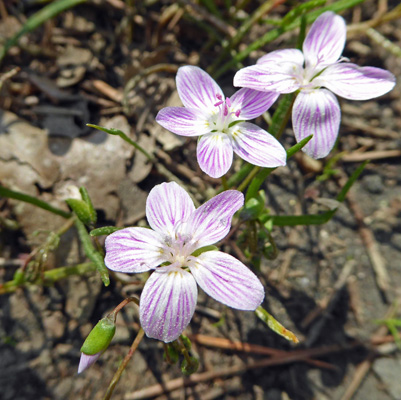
x=212, y=221
x=356, y=83
x=133, y=250
x=197, y=89
x=252, y=103
x=325, y=40
x=318, y=113
x=227, y=280
x=270, y=77
x=258, y=147
x=166, y=206
x=215, y=154
x=167, y=303
x=183, y=121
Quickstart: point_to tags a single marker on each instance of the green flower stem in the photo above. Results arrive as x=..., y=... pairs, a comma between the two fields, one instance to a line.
x=112, y=131
x=123, y=365
x=282, y=115
x=277, y=32
x=240, y=175
x=249, y=178
x=49, y=277
x=224, y=182
x=11, y=194
x=91, y=252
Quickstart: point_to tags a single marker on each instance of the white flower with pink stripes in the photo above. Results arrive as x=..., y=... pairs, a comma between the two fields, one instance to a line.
x=174, y=250
x=316, y=72
x=220, y=121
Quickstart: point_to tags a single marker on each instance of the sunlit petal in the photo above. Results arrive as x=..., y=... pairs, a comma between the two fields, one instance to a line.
x=318, y=113
x=183, y=121
x=211, y=221
x=283, y=57
x=133, y=250
x=356, y=83
x=325, y=40
x=215, y=154
x=258, y=147
x=197, y=89
x=252, y=103
x=227, y=280
x=269, y=77
x=167, y=303
x=167, y=205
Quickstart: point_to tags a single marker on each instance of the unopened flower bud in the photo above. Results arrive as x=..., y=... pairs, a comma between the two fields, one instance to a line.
x=97, y=342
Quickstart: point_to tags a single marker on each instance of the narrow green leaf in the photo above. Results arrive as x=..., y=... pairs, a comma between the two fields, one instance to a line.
x=300, y=10
x=117, y=132
x=91, y=252
x=274, y=325
x=88, y=201
x=351, y=180
x=104, y=230
x=81, y=210
x=282, y=115
x=11, y=194
x=198, y=252
x=47, y=12
x=211, y=6
x=315, y=219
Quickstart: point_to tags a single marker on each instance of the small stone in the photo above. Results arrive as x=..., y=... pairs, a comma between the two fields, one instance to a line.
x=373, y=184
x=54, y=324
x=388, y=369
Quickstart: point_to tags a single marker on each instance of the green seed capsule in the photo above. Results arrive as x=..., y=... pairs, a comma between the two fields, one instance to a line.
x=100, y=336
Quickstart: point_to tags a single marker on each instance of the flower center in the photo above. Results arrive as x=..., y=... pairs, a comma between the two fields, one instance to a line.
x=223, y=115
x=178, y=250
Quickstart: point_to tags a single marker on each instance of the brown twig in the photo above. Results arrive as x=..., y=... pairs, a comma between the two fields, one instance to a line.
x=293, y=356
x=223, y=343
x=371, y=155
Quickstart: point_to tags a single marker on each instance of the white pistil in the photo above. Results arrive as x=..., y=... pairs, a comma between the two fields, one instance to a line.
x=225, y=115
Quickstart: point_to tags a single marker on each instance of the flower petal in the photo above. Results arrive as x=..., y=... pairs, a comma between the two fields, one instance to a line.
x=356, y=83
x=325, y=41
x=258, y=147
x=227, y=280
x=183, y=121
x=212, y=220
x=197, y=89
x=86, y=361
x=252, y=103
x=318, y=113
x=288, y=56
x=215, y=154
x=167, y=303
x=133, y=250
x=166, y=206
x=270, y=77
